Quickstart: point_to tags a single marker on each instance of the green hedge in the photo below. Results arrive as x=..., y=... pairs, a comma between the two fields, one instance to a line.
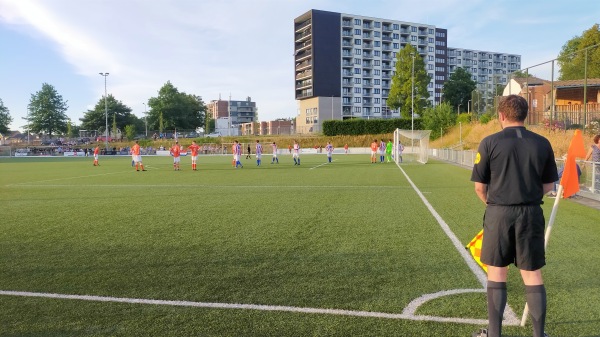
x=358, y=126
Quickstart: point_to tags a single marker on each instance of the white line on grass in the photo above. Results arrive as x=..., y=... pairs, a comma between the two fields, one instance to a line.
x=67, y=178
x=509, y=316
x=211, y=186
x=260, y=307
x=321, y=165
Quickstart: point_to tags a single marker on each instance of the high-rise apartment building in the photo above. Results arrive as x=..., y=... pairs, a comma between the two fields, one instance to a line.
x=239, y=111
x=344, y=64
x=488, y=69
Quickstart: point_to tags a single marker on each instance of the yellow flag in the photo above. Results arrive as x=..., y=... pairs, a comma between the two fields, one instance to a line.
x=475, y=248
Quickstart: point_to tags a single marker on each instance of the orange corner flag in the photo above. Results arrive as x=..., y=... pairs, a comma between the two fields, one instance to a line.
x=570, y=177
x=475, y=248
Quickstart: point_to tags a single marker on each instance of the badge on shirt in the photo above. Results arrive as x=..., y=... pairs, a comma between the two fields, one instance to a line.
x=477, y=158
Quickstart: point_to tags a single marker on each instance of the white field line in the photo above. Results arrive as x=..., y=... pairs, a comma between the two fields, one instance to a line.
x=509, y=316
x=66, y=178
x=312, y=168
x=260, y=307
x=209, y=186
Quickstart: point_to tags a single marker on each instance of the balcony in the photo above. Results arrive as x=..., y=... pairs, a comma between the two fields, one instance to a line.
x=303, y=25
x=347, y=64
x=303, y=36
x=304, y=74
x=367, y=55
x=368, y=46
x=303, y=65
x=347, y=73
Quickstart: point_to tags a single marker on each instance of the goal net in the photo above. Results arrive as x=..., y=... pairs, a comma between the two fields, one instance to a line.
x=5, y=151
x=411, y=146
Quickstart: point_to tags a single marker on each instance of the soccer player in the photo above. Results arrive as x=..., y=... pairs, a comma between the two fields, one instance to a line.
x=388, y=150
x=400, y=149
x=248, y=156
x=234, y=153
x=329, y=150
x=296, y=153
x=275, y=159
x=96, y=152
x=176, y=152
x=259, y=150
x=512, y=171
x=374, y=151
x=346, y=148
x=382, y=151
x=194, y=148
x=238, y=154
x=137, y=157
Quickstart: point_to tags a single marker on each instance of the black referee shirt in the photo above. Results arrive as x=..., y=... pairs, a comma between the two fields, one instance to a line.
x=514, y=163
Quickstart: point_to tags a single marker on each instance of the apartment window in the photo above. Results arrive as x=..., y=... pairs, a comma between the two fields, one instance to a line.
x=376, y=62
x=357, y=61
x=376, y=72
x=413, y=29
x=357, y=70
x=377, y=53
x=357, y=109
x=357, y=42
x=430, y=57
x=489, y=64
x=377, y=92
x=357, y=99
x=377, y=24
x=377, y=82
x=377, y=34
x=458, y=53
x=357, y=90
x=357, y=22
x=431, y=31
x=396, y=36
x=430, y=66
x=430, y=40
x=357, y=51
x=357, y=81
x=396, y=46
x=396, y=26
x=377, y=43
x=431, y=49
x=377, y=110
x=474, y=70
x=413, y=38
x=430, y=85
x=357, y=32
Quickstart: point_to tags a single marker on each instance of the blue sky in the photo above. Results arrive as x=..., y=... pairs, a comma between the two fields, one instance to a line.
x=238, y=47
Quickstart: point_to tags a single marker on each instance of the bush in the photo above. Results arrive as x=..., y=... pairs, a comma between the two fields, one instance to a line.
x=485, y=118
x=359, y=126
x=464, y=118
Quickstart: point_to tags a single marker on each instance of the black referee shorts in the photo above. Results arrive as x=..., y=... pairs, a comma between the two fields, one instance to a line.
x=514, y=234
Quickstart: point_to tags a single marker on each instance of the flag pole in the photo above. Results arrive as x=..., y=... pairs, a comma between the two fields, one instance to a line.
x=559, y=194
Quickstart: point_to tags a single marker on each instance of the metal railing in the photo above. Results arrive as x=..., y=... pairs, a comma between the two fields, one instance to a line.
x=589, y=181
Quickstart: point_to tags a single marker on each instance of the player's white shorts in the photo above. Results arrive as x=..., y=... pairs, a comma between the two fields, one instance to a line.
x=373, y=153
x=295, y=155
x=176, y=160
x=137, y=159
x=258, y=156
x=274, y=154
x=194, y=158
x=236, y=157
x=95, y=157
x=328, y=154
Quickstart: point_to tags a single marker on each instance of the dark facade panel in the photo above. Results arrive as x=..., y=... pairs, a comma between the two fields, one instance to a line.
x=326, y=53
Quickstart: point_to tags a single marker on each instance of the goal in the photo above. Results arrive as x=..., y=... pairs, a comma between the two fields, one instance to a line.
x=415, y=144
x=5, y=151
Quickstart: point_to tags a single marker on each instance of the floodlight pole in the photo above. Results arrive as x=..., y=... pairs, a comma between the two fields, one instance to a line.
x=105, y=110
x=412, y=103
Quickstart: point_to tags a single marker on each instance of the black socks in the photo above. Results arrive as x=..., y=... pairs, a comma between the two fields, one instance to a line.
x=536, y=301
x=496, y=302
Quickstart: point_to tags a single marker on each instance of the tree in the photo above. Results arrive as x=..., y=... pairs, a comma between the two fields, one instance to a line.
x=118, y=113
x=438, y=118
x=130, y=132
x=172, y=109
x=457, y=90
x=520, y=74
x=572, y=57
x=400, y=94
x=47, y=112
x=5, y=118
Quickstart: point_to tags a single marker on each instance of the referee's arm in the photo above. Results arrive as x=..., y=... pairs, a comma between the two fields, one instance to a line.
x=481, y=190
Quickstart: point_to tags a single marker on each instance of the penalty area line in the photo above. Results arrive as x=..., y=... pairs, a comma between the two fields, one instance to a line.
x=321, y=165
x=260, y=307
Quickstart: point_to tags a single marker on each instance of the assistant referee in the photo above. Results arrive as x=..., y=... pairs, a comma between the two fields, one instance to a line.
x=513, y=170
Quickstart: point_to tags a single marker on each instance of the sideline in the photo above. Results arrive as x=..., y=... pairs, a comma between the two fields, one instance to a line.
x=260, y=307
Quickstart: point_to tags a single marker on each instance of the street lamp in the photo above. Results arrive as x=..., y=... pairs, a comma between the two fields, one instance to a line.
x=469, y=106
x=146, y=119
x=105, y=109
x=458, y=109
x=412, y=103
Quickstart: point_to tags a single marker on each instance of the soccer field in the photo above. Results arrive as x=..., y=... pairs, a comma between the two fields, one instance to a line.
x=342, y=249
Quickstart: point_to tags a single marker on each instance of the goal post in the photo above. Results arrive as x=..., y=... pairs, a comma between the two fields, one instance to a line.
x=411, y=146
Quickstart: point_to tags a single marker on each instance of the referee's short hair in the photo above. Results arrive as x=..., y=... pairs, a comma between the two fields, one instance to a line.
x=513, y=107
